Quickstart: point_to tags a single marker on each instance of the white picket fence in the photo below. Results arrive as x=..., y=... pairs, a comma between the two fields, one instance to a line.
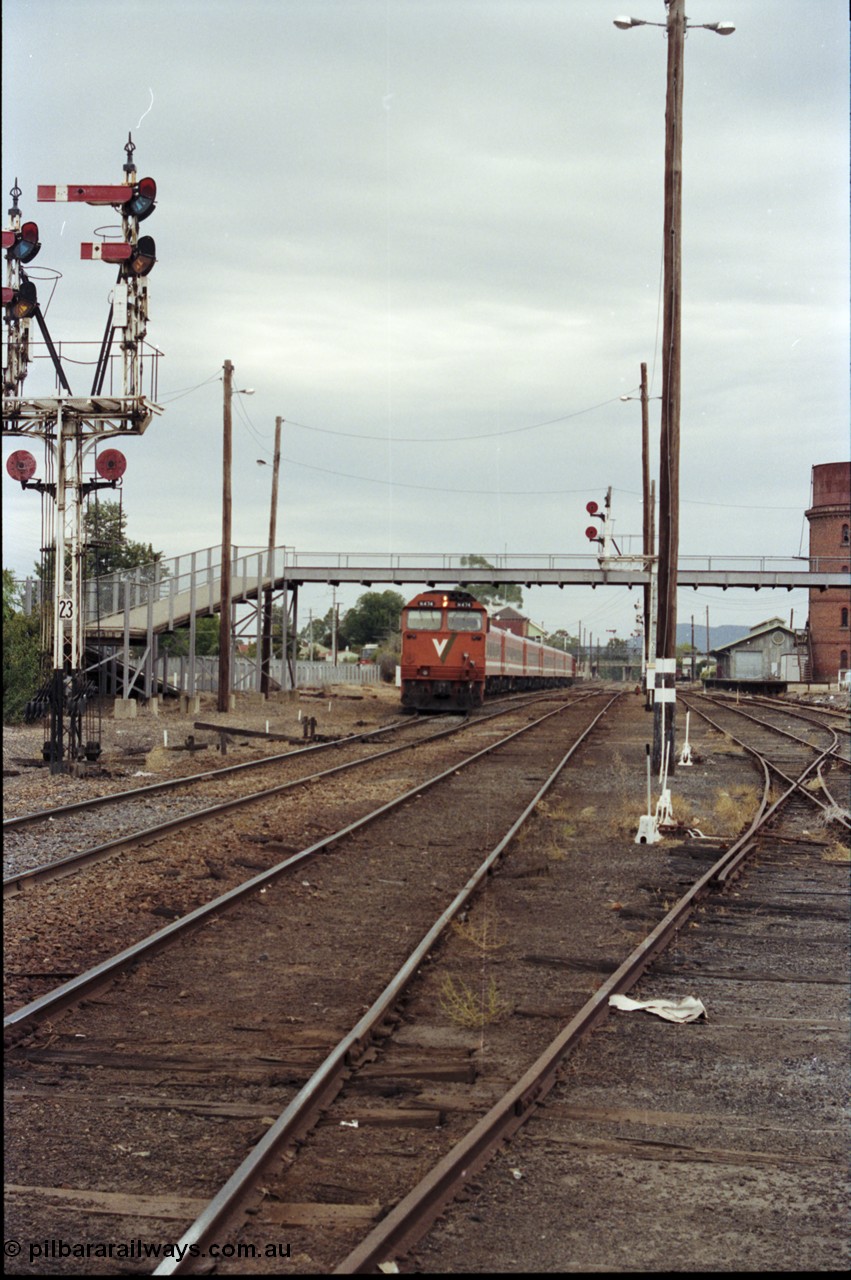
x=175, y=672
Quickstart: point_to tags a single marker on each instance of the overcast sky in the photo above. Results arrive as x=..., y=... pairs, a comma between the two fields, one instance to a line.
x=429, y=234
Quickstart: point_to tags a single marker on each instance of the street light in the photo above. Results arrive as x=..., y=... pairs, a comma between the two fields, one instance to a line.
x=720, y=28
x=666, y=633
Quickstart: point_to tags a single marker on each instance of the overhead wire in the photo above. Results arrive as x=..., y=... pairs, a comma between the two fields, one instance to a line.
x=485, y=435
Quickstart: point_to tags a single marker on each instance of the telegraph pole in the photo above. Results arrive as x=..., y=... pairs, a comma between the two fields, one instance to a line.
x=647, y=517
x=669, y=463
x=265, y=678
x=224, y=575
x=669, y=459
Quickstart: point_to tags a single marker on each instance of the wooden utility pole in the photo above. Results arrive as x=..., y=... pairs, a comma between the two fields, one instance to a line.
x=692, y=648
x=669, y=460
x=707, y=631
x=647, y=513
x=266, y=644
x=224, y=575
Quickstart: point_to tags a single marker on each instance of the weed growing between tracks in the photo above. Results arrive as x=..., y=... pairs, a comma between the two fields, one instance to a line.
x=480, y=938
x=469, y=1008
x=837, y=852
x=735, y=808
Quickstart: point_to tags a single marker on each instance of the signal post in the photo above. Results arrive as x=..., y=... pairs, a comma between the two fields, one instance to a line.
x=71, y=428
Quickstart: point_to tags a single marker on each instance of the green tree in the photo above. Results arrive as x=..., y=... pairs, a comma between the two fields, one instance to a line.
x=562, y=639
x=491, y=593
x=21, y=657
x=375, y=617
x=207, y=634
x=107, y=547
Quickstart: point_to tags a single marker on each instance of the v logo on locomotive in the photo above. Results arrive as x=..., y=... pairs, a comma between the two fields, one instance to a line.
x=440, y=646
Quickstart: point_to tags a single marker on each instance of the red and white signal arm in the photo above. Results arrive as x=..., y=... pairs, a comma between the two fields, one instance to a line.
x=107, y=251
x=111, y=464
x=21, y=465
x=86, y=193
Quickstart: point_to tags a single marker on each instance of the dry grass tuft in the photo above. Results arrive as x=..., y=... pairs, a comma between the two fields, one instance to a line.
x=481, y=938
x=470, y=1008
x=837, y=852
x=736, y=808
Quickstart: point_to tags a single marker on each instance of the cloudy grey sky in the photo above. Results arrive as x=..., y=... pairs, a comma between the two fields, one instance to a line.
x=429, y=234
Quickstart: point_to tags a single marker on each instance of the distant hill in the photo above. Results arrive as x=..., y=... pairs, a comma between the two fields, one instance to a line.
x=717, y=635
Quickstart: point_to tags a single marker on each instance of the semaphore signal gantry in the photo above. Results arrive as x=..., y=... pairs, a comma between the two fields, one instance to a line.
x=72, y=427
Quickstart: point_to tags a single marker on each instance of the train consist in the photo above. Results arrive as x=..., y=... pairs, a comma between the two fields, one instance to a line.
x=452, y=655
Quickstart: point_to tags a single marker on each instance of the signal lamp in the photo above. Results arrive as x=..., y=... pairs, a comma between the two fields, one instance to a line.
x=23, y=301
x=142, y=202
x=143, y=257
x=21, y=465
x=111, y=464
x=25, y=244
x=592, y=534
x=591, y=508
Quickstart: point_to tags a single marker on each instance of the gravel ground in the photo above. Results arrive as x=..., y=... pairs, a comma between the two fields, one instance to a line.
x=570, y=900
x=133, y=751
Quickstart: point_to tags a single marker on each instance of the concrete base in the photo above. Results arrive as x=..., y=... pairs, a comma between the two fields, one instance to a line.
x=125, y=709
x=190, y=704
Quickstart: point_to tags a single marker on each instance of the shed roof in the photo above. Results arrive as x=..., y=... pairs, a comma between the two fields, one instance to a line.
x=761, y=628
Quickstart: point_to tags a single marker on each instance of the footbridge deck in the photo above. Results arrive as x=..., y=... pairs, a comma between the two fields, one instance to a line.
x=167, y=595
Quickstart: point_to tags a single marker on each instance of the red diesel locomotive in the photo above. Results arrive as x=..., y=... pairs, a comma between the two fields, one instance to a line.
x=452, y=655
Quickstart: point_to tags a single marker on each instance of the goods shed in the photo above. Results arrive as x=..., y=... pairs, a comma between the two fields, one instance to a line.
x=768, y=656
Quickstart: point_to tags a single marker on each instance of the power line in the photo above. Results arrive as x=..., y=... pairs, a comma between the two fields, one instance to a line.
x=486, y=435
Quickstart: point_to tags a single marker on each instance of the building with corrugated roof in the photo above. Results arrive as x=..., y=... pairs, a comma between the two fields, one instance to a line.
x=767, y=652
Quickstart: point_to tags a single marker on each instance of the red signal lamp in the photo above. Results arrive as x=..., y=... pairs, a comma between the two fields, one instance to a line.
x=142, y=202
x=22, y=245
x=21, y=465
x=592, y=534
x=20, y=303
x=591, y=508
x=111, y=464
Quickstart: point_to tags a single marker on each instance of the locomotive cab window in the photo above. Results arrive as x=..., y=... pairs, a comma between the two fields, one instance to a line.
x=424, y=619
x=463, y=620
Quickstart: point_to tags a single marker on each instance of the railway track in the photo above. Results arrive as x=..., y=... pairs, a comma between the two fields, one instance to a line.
x=125, y=887
x=203, y=1010
x=791, y=744
x=450, y=1174
x=173, y=868
x=415, y=1054
x=740, y=1124
x=179, y=803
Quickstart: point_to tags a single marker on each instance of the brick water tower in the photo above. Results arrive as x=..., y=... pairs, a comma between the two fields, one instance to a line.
x=830, y=546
